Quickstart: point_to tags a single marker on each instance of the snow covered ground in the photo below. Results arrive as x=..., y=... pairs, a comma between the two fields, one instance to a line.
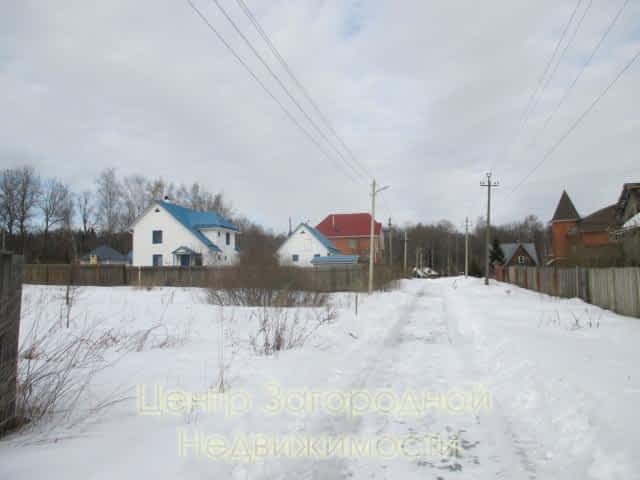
x=440, y=379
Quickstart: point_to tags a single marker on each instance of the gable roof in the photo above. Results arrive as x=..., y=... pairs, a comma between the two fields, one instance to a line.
x=105, y=253
x=599, y=221
x=348, y=225
x=565, y=209
x=194, y=220
x=628, y=189
x=328, y=244
x=510, y=249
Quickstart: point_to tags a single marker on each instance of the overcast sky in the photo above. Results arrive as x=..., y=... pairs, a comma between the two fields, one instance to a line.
x=427, y=94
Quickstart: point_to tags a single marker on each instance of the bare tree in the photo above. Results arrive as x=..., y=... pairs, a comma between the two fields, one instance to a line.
x=109, y=201
x=85, y=210
x=66, y=212
x=136, y=197
x=9, y=199
x=28, y=190
x=53, y=201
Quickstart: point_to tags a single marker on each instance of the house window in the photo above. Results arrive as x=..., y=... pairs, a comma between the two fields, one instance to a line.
x=353, y=243
x=295, y=257
x=218, y=233
x=316, y=254
x=157, y=260
x=228, y=238
x=157, y=236
x=521, y=260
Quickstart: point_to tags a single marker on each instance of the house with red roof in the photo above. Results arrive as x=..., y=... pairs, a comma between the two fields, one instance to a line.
x=350, y=233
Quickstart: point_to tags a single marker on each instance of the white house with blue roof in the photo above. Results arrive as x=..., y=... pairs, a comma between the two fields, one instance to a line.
x=306, y=247
x=171, y=235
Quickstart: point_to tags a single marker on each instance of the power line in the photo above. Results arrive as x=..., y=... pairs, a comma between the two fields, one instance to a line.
x=525, y=115
x=283, y=86
x=577, y=121
x=264, y=87
x=564, y=51
x=294, y=78
x=582, y=70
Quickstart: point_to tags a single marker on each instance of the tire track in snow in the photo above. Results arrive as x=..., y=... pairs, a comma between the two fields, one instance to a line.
x=500, y=429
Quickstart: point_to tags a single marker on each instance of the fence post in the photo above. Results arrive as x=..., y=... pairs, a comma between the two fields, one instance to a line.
x=10, y=299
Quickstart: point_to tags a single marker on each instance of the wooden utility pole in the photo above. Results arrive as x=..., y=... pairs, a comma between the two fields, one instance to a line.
x=466, y=247
x=374, y=192
x=448, y=254
x=390, y=244
x=488, y=183
x=405, y=251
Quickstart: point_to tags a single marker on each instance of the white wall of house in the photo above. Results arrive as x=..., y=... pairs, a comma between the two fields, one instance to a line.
x=303, y=244
x=228, y=255
x=175, y=235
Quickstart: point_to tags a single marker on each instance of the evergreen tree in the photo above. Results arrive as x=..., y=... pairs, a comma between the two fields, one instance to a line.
x=496, y=255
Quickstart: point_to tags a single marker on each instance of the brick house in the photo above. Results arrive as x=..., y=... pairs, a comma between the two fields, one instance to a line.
x=585, y=241
x=350, y=233
x=628, y=214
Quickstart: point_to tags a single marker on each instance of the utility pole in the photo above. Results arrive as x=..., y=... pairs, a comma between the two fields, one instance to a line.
x=432, y=266
x=374, y=192
x=405, y=251
x=466, y=247
x=390, y=245
x=448, y=254
x=488, y=183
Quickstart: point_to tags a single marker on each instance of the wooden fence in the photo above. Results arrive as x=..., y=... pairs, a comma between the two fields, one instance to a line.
x=616, y=289
x=323, y=279
x=10, y=300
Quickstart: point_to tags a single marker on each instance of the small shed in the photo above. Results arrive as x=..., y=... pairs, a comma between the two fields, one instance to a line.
x=104, y=254
x=523, y=254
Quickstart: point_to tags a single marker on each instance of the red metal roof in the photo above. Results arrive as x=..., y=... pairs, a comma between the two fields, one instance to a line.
x=348, y=225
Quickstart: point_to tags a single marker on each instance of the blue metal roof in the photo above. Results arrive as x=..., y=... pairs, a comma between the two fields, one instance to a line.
x=184, y=250
x=105, y=253
x=335, y=260
x=195, y=220
x=321, y=238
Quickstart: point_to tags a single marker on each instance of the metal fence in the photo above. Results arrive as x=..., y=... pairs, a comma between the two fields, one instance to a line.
x=323, y=279
x=616, y=289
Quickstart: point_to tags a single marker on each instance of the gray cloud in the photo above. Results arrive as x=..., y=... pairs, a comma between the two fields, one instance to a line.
x=428, y=95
